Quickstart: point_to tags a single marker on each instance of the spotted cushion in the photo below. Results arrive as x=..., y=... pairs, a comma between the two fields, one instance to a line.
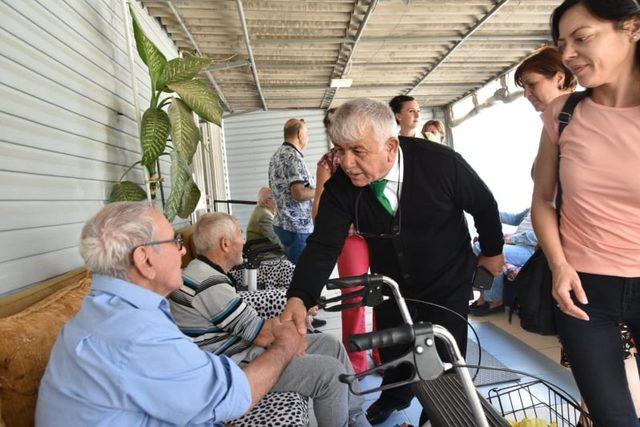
x=272, y=273
x=277, y=409
x=268, y=303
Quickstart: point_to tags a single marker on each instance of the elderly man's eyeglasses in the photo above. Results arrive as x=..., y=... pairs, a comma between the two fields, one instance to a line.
x=177, y=240
x=395, y=224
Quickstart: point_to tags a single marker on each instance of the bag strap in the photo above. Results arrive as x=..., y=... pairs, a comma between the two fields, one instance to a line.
x=563, y=120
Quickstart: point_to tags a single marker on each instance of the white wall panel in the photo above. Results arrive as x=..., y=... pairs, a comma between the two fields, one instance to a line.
x=14, y=274
x=68, y=127
x=35, y=213
x=36, y=241
x=252, y=138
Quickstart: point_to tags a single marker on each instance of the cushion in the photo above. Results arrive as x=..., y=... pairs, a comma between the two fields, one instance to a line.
x=269, y=303
x=272, y=273
x=27, y=339
x=2, y=424
x=277, y=409
x=187, y=237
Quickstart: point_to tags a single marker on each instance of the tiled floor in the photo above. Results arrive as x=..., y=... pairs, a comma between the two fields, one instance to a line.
x=510, y=344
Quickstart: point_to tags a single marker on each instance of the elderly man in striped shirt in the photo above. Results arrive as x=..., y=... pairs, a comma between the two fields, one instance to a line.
x=208, y=309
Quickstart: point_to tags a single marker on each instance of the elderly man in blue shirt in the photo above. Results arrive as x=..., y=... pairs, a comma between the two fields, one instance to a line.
x=122, y=361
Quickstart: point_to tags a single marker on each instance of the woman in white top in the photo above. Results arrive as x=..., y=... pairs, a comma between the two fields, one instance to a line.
x=407, y=112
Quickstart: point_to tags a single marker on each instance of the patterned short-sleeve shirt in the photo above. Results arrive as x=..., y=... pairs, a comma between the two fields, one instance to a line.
x=287, y=167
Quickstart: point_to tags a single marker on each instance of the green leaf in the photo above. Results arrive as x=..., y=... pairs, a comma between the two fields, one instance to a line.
x=127, y=191
x=186, y=68
x=180, y=178
x=184, y=132
x=190, y=199
x=149, y=53
x=200, y=99
x=154, y=131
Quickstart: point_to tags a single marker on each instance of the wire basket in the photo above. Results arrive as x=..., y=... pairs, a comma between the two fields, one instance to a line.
x=539, y=400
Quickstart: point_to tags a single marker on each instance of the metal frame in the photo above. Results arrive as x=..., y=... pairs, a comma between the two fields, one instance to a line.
x=134, y=85
x=212, y=80
x=327, y=99
x=228, y=65
x=300, y=46
x=247, y=41
x=455, y=47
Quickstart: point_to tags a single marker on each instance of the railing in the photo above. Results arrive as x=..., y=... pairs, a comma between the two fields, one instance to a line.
x=232, y=202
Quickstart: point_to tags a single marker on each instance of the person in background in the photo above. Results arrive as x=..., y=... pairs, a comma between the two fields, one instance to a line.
x=293, y=189
x=433, y=130
x=407, y=113
x=261, y=221
x=353, y=260
x=518, y=248
x=544, y=77
x=594, y=250
x=208, y=308
x=122, y=361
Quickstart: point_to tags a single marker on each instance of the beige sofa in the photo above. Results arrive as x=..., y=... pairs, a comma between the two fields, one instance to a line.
x=30, y=322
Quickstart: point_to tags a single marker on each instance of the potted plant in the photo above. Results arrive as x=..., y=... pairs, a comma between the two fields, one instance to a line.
x=185, y=94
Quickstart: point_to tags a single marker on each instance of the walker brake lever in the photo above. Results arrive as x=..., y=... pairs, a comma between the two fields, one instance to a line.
x=340, y=307
x=369, y=295
x=422, y=358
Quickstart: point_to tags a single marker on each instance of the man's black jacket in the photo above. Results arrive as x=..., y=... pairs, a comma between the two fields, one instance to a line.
x=432, y=256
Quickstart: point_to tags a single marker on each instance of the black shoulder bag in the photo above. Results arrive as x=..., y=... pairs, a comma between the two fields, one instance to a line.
x=533, y=284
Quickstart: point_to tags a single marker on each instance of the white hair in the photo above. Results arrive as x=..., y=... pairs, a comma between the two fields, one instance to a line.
x=210, y=228
x=264, y=194
x=110, y=236
x=355, y=118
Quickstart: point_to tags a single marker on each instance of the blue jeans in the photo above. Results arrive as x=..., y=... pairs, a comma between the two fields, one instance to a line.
x=595, y=349
x=293, y=243
x=513, y=254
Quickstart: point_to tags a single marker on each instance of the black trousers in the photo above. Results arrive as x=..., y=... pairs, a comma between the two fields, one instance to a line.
x=595, y=349
x=388, y=315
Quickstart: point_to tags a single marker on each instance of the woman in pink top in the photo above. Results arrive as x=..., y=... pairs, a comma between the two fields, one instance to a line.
x=594, y=252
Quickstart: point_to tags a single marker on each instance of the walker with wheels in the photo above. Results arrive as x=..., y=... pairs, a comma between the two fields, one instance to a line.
x=446, y=390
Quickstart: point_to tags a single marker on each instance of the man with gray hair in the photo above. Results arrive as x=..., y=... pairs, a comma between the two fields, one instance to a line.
x=261, y=221
x=208, y=309
x=407, y=198
x=122, y=361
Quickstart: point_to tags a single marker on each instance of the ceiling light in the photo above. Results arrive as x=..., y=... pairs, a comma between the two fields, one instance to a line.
x=341, y=83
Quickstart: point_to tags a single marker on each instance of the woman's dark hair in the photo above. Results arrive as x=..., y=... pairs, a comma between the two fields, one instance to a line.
x=546, y=61
x=326, y=121
x=397, y=101
x=617, y=11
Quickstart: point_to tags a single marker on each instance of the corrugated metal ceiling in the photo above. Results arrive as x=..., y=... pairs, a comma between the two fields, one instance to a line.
x=437, y=51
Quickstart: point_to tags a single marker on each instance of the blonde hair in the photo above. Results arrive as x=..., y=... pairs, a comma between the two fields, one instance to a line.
x=438, y=125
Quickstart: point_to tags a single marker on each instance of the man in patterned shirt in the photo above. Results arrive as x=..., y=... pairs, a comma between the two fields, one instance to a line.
x=208, y=309
x=293, y=188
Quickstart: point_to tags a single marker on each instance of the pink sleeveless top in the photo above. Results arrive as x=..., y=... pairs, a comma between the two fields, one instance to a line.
x=600, y=175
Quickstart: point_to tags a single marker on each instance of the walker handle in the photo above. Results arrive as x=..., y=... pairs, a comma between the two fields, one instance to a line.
x=367, y=280
x=403, y=334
